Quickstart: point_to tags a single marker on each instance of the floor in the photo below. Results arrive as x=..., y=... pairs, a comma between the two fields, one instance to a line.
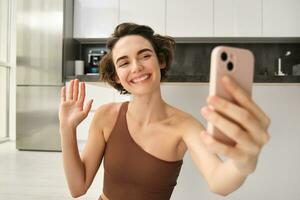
x=35, y=175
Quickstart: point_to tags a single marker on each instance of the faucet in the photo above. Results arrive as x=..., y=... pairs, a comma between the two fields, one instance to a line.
x=279, y=72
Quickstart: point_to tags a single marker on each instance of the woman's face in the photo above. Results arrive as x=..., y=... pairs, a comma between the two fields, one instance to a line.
x=136, y=63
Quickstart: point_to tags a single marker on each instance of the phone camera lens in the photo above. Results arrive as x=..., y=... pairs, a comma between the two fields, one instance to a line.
x=229, y=66
x=224, y=56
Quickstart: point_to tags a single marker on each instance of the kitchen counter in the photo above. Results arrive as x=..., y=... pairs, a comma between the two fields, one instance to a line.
x=85, y=78
x=200, y=79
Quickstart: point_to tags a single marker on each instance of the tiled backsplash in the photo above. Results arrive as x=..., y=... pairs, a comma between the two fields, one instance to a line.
x=192, y=61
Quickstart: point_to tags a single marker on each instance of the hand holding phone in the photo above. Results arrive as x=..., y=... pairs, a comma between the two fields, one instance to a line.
x=239, y=65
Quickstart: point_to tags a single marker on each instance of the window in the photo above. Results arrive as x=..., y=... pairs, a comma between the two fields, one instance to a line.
x=4, y=101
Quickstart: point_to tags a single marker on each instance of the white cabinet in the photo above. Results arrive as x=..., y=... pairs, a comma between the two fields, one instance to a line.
x=281, y=18
x=189, y=18
x=95, y=18
x=235, y=18
x=184, y=18
x=101, y=93
x=151, y=13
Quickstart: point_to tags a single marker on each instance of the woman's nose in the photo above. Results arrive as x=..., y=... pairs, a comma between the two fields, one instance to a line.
x=137, y=66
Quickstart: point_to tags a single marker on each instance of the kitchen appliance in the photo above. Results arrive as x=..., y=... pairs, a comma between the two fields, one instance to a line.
x=79, y=67
x=44, y=46
x=94, y=58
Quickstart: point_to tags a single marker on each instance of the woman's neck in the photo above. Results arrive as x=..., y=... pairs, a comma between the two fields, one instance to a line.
x=147, y=109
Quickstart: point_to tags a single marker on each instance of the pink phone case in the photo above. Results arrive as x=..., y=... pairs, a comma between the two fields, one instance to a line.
x=242, y=73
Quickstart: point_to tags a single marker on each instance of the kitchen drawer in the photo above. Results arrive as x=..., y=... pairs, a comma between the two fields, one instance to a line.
x=100, y=94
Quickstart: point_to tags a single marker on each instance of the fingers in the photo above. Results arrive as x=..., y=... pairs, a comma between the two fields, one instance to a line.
x=244, y=118
x=70, y=92
x=219, y=148
x=82, y=93
x=63, y=94
x=245, y=100
x=75, y=92
x=88, y=107
x=230, y=129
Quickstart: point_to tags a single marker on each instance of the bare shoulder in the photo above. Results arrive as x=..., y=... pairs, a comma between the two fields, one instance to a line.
x=186, y=122
x=107, y=109
x=186, y=127
x=106, y=116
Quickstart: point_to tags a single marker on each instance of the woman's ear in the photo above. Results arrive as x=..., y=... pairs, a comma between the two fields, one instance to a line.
x=162, y=66
x=162, y=62
x=117, y=79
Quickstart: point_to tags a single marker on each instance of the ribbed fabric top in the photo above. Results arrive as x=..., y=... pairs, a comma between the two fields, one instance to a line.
x=131, y=173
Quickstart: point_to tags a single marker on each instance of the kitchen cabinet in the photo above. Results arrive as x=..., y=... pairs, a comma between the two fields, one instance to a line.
x=191, y=18
x=179, y=18
x=101, y=94
x=281, y=18
x=151, y=13
x=95, y=18
x=234, y=18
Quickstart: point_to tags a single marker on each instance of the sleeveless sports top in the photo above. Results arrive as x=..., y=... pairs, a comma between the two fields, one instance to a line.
x=131, y=173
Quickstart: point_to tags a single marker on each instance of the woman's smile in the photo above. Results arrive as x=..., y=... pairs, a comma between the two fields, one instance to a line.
x=141, y=79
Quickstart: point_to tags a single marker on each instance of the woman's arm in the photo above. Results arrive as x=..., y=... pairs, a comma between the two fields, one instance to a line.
x=205, y=160
x=79, y=171
x=245, y=123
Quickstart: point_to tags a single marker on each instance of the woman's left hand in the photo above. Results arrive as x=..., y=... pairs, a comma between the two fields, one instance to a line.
x=244, y=122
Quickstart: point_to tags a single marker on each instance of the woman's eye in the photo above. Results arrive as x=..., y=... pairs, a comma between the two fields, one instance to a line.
x=123, y=64
x=146, y=56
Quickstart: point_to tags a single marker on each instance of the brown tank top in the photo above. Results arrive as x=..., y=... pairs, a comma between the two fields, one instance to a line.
x=131, y=173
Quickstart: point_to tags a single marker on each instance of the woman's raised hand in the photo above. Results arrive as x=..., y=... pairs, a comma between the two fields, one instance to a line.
x=72, y=110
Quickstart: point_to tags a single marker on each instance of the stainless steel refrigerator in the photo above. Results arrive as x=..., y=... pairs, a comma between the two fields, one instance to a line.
x=44, y=49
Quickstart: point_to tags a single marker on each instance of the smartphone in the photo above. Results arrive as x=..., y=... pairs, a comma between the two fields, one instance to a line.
x=239, y=65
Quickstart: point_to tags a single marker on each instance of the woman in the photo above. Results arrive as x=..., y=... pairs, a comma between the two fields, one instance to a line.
x=144, y=141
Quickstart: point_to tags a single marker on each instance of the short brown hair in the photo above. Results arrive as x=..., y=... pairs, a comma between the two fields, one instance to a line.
x=163, y=46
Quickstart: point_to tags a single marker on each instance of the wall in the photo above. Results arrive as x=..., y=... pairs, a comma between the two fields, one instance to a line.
x=277, y=175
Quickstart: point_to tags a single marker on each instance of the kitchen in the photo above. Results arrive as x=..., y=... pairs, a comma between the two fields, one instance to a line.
x=32, y=170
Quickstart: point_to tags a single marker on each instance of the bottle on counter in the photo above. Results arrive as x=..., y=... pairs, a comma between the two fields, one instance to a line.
x=79, y=67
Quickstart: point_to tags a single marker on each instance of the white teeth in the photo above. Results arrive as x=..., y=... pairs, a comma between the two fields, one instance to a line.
x=140, y=79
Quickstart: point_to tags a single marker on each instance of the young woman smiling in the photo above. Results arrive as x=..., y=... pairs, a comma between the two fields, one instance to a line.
x=143, y=141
